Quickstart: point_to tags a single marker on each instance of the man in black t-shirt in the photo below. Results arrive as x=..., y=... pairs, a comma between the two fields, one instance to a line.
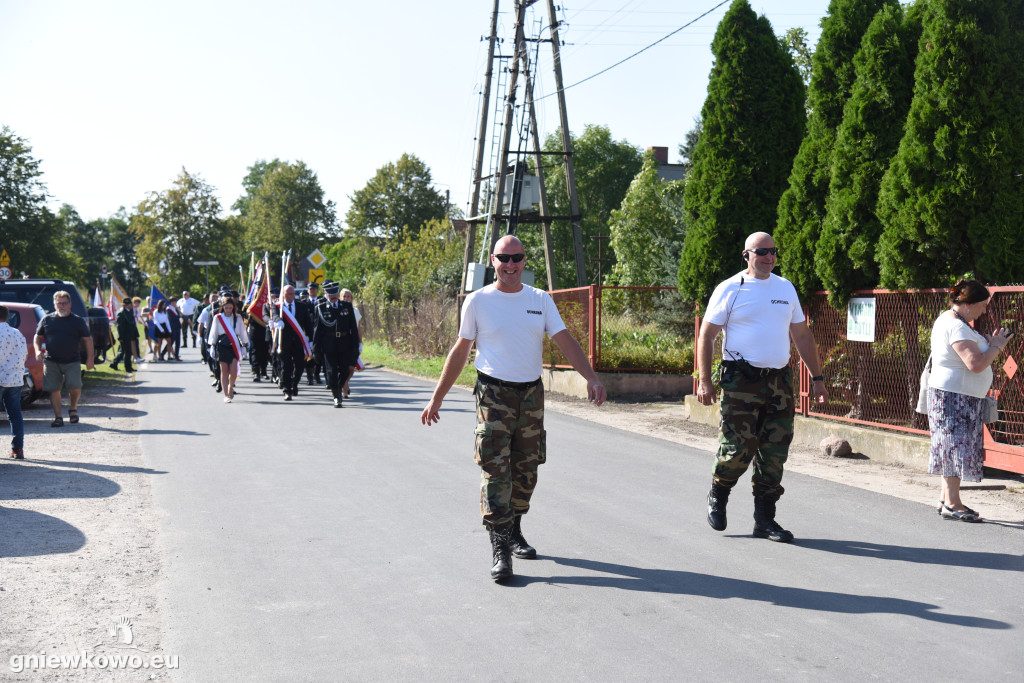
x=60, y=332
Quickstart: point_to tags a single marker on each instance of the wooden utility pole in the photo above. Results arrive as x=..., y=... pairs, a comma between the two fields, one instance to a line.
x=480, y=142
x=570, y=172
x=510, y=106
x=538, y=160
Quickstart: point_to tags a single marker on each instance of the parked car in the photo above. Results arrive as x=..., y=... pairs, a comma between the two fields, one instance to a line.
x=25, y=318
x=40, y=291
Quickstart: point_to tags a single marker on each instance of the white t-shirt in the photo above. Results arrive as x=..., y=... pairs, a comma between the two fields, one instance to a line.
x=187, y=306
x=756, y=315
x=509, y=330
x=949, y=372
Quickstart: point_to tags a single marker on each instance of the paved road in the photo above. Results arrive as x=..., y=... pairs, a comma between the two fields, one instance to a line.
x=307, y=543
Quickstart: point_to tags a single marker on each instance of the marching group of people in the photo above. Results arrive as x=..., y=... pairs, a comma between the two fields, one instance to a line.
x=306, y=334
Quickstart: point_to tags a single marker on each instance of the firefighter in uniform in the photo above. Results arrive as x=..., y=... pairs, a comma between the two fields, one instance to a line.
x=335, y=338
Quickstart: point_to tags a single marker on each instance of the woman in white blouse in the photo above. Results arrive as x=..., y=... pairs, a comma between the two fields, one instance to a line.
x=220, y=338
x=163, y=329
x=961, y=376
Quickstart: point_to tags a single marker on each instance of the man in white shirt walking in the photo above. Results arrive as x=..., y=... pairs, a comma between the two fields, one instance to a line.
x=508, y=321
x=759, y=313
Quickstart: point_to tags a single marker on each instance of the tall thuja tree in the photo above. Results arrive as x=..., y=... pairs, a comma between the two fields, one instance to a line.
x=952, y=201
x=866, y=141
x=752, y=122
x=802, y=208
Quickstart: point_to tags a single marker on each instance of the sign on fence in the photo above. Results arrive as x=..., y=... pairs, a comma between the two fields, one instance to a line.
x=860, y=320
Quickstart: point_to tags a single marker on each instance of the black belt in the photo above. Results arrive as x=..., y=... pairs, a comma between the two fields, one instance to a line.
x=751, y=370
x=487, y=379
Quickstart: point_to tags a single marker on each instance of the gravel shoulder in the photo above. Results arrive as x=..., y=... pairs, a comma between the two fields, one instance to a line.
x=80, y=555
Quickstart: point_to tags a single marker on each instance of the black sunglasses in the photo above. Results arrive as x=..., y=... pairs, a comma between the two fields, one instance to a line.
x=764, y=251
x=504, y=258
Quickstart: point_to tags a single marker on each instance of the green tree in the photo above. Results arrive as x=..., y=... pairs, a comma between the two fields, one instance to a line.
x=284, y=208
x=180, y=226
x=398, y=198
x=352, y=261
x=802, y=207
x=752, y=124
x=689, y=144
x=866, y=141
x=32, y=235
x=795, y=40
x=952, y=201
x=604, y=169
x=642, y=228
x=120, y=245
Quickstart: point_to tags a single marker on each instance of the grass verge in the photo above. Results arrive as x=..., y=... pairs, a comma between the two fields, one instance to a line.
x=376, y=353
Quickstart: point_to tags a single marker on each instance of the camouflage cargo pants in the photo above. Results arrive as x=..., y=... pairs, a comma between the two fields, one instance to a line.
x=757, y=425
x=510, y=445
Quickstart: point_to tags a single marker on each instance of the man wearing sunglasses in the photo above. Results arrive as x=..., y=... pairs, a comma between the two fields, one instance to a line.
x=508, y=321
x=759, y=313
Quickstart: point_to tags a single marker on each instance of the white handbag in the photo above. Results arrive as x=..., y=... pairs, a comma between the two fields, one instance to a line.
x=922, y=394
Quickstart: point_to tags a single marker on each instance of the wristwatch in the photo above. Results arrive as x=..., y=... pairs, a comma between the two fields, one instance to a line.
x=818, y=378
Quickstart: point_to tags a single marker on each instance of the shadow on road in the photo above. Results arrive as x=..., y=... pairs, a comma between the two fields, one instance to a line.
x=940, y=556
x=680, y=582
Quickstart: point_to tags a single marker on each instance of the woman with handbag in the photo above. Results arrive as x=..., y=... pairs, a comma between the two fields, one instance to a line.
x=961, y=375
x=228, y=339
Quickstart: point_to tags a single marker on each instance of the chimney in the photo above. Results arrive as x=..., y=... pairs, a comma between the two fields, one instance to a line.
x=660, y=153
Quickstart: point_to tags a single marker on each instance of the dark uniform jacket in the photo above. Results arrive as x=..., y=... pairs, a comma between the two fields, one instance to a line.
x=335, y=328
x=126, y=329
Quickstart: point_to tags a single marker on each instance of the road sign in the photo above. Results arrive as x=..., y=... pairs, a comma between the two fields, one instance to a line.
x=5, y=260
x=316, y=258
x=6, y=273
x=316, y=276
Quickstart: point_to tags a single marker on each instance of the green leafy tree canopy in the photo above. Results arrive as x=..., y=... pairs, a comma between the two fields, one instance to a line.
x=398, y=198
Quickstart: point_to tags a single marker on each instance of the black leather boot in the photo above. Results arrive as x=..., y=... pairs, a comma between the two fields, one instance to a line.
x=765, y=525
x=501, y=539
x=718, y=497
x=520, y=548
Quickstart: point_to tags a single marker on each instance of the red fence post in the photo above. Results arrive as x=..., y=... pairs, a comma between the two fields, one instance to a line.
x=592, y=326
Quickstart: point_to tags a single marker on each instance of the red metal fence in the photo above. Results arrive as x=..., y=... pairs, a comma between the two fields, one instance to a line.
x=626, y=329
x=876, y=383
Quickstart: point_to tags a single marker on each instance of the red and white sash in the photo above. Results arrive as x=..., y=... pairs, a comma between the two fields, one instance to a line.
x=232, y=337
x=307, y=350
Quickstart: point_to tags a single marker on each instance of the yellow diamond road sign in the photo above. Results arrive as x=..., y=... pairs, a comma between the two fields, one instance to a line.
x=316, y=258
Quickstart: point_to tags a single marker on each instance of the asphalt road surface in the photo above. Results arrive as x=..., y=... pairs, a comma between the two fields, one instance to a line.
x=303, y=542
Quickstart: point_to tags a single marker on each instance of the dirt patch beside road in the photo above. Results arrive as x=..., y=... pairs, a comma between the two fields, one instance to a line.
x=79, y=556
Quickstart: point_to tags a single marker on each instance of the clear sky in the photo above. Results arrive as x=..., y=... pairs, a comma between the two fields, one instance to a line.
x=117, y=96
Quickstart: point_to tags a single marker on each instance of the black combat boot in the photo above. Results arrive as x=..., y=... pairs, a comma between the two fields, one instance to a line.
x=501, y=540
x=765, y=525
x=718, y=497
x=520, y=548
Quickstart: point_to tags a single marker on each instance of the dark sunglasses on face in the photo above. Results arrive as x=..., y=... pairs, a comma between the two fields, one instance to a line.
x=504, y=258
x=764, y=251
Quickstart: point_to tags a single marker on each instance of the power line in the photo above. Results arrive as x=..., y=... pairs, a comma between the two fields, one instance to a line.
x=642, y=50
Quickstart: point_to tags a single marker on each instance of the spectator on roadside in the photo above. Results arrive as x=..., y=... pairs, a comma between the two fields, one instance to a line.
x=961, y=375
x=13, y=353
x=61, y=332
x=187, y=307
x=150, y=329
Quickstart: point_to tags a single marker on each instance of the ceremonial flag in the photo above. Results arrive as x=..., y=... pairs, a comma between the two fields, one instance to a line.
x=155, y=296
x=257, y=283
x=117, y=295
x=97, y=297
x=260, y=296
